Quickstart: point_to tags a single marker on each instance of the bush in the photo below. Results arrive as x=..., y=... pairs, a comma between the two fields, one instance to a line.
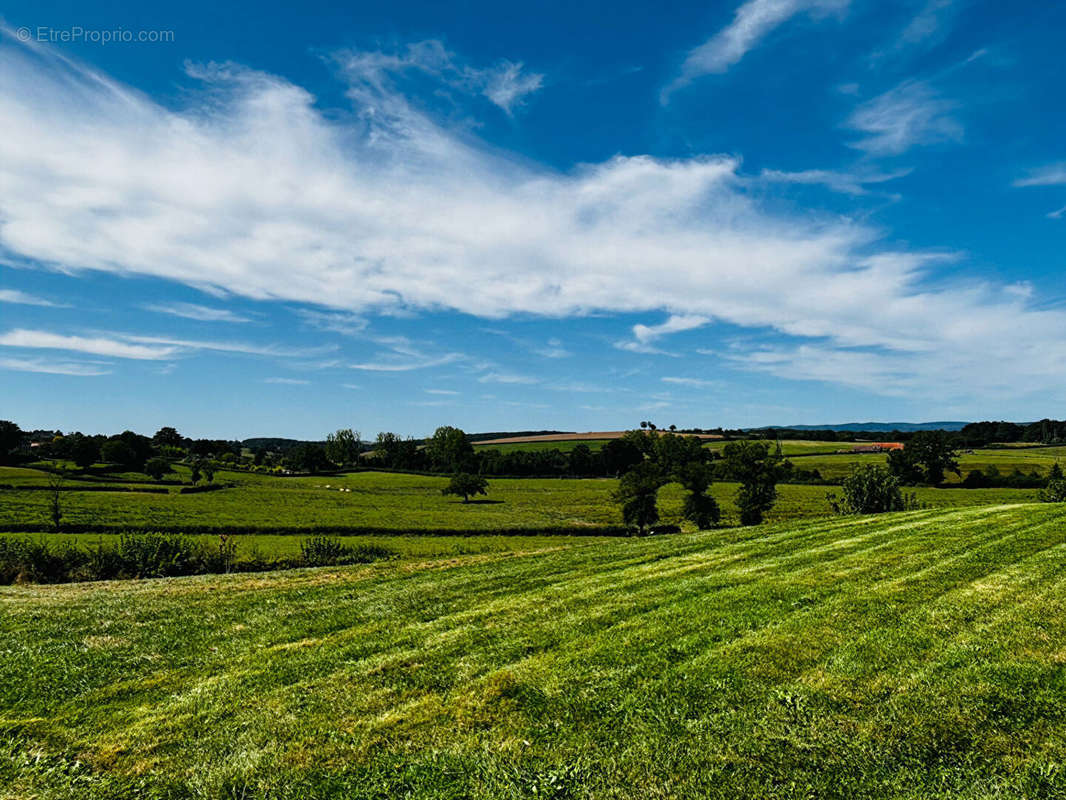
x=156, y=555
x=324, y=551
x=1054, y=492
x=871, y=489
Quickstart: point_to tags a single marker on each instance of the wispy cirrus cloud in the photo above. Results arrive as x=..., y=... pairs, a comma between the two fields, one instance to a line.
x=752, y=21
x=139, y=347
x=53, y=367
x=1049, y=175
x=845, y=182
x=287, y=381
x=912, y=113
x=197, y=312
x=97, y=346
x=505, y=84
x=22, y=298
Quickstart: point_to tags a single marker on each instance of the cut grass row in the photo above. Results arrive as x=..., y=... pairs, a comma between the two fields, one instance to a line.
x=913, y=655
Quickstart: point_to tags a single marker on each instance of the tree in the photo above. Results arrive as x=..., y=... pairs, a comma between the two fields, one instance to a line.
x=580, y=460
x=10, y=438
x=449, y=450
x=698, y=506
x=1054, y=492
x=758, y=472
x=637, y=493
x=343, y=447
x=128, y=450
x=168, y=437
x=156, y=468
x=620, y=455
x=56, y=482
x=925, y=458
x=307, y=458
x=466, y=486
x=871, y=489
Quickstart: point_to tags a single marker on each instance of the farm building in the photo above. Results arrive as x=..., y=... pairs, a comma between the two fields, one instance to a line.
x=877, y=447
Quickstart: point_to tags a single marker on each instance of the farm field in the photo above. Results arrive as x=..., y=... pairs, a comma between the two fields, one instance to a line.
x=563, y=446
x=908, y=655
x=390, y=502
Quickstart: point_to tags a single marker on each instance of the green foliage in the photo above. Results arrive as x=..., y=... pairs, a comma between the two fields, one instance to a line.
x=156, y=468
x=168, y=437
x=620, y=455
x=1054, y=492
x=466, y=485
x=698, y=507
x=324, y=551
x=128, y=450
x=343, y=447
x=925, y=458
x=449, y=450
x=11, y=437
x=310, y=458
x=871, y=489
x=758, y=471
x=637, y=493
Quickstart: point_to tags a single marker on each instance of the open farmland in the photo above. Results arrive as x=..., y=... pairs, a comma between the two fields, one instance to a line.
x=908, y=655
x=390, y=502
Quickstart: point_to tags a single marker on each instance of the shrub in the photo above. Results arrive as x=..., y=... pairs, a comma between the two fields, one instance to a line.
x=871, y=489
x=156, y=468
x=156, y=555
x=1054, y=492
x=324, y=551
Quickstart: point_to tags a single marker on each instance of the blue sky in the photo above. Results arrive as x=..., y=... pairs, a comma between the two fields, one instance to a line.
x=507, y=216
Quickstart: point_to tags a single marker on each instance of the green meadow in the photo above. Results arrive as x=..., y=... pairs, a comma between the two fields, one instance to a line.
x=398, y=503
x=909, y=655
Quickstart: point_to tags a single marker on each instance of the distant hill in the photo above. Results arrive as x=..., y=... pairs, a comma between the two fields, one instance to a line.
x=274, y=443
x=903, y=427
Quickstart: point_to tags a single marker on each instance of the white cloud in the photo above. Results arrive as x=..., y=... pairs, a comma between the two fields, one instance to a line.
x=47, y=366
x=644, y=335
x=695, y=382
x=441, y=391
x=287, y=381
x=506, y=377
x=83, y=344
x=752, y=21
x=16, y=296
x=1057, y=214
x=253, y=191
x=504, y=84
x=1050, y=175
x=196, y=312
x=335, y=322
x=853, y=183
x=913, y=113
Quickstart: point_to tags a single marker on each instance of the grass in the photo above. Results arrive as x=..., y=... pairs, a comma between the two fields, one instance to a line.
x=386, y=502
x=913, y=655
x=272, y=546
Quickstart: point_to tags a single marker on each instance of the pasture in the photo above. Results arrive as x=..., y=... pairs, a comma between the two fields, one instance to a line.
x=909, y=655
x=375, y=502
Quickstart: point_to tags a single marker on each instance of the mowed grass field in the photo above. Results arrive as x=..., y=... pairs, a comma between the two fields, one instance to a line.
x=911, y=655
x=389, y=502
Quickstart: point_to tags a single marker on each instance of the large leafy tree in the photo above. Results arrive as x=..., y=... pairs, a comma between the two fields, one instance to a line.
x=637, y=493
x=10, y=438
x=758, y=471
x=925, y=458
x=466, y=485
x=699, y=507
x=449, y=450
x=343, y=447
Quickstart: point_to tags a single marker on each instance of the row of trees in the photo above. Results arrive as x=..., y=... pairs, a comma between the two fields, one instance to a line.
x=669, y=458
